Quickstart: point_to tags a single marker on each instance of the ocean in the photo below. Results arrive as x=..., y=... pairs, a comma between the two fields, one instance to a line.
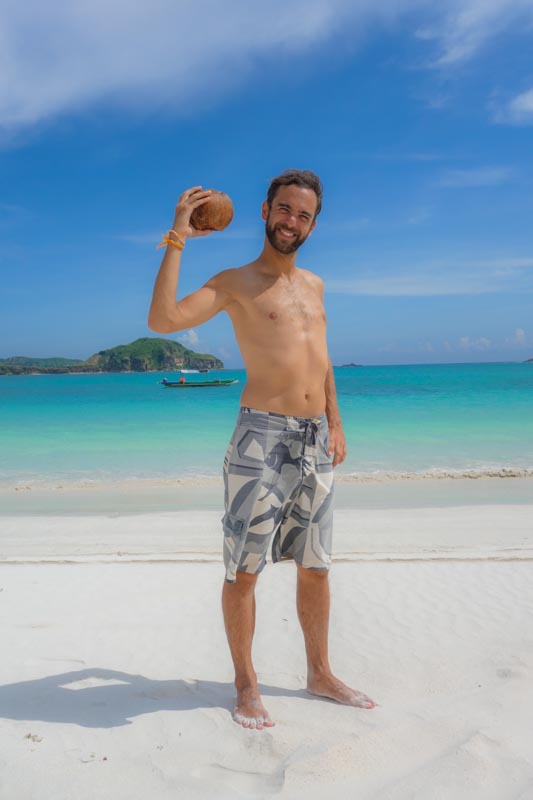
x=399, y=421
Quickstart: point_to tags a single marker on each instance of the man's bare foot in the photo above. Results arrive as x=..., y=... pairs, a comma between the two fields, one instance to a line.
x=249, y=711
x=332, y=687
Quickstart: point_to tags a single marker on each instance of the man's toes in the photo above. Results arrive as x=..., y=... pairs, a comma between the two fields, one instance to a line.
x=363, y=700
x=257, y=723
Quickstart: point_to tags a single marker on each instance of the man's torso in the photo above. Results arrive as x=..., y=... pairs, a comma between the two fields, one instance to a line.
x=280, y=326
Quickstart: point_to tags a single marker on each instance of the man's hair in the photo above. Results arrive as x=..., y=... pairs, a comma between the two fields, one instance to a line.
x=298, y=177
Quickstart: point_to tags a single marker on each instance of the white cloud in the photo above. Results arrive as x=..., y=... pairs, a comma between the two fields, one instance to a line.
x=518, y=111
x=523, y=103
x=466, y=26
x=223, y=352
x=63, y=57
x=483, y=176
x=520, y=336
x=519, y=339
x=190, y=339
x=466, y=343
x=439, y=278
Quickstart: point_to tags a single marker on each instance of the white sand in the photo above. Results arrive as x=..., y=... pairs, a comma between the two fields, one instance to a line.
x=115, y=662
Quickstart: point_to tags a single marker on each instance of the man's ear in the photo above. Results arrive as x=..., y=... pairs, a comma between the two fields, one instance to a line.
x=264, y=210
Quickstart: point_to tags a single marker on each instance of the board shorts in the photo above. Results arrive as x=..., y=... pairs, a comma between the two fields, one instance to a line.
x=278, y=487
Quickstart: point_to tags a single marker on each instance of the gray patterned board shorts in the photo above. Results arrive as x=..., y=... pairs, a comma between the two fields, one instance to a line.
x=278, y=485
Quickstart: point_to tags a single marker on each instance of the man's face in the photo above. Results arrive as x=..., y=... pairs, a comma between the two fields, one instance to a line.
x=291, y=218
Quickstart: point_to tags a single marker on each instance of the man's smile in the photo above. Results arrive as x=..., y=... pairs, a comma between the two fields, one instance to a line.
x=286, y=234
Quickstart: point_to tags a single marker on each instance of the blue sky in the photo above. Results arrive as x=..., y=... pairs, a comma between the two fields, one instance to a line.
x=419, y=122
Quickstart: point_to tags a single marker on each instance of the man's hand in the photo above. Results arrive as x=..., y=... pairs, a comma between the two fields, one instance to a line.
x=189, y=200
x=337, y=444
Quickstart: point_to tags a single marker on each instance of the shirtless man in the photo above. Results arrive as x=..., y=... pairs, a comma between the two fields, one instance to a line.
x=278, y=468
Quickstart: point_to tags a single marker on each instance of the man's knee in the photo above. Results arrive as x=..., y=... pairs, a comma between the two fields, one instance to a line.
x=244, y=581
x=312, y=574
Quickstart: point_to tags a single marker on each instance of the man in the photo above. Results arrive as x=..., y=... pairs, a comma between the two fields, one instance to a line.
x=278, y=468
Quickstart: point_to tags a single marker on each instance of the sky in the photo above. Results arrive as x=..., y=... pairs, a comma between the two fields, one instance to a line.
x=417, y=116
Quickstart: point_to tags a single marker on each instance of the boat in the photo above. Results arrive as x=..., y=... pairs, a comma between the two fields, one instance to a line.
x=188, y=371
x=196, y=384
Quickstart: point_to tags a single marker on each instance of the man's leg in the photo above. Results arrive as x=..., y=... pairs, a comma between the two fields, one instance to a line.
x=312, y=601
x=238, y=606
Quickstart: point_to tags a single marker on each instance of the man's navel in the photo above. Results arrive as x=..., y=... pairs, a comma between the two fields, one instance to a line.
x=273, y=315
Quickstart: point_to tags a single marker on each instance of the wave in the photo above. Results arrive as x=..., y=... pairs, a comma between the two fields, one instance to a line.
x=382, y=476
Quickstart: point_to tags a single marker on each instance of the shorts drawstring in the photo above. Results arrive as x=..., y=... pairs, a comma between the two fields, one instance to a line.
x=311, y=428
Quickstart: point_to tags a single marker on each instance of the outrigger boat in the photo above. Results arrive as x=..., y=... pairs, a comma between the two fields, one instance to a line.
x=183, y=384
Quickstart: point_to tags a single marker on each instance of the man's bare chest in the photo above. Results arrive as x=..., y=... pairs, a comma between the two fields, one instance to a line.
x=290, y=307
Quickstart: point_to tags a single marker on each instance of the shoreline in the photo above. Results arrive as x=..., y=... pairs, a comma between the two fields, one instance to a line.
x=197, y=480
x=75, y=498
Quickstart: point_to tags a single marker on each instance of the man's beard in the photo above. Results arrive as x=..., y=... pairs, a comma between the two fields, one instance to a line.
x=281, y=245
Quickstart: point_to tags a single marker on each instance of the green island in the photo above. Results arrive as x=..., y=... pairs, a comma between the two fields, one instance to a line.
x=142, y=355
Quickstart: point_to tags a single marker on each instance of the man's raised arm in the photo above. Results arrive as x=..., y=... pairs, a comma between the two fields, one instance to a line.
x=167, y=314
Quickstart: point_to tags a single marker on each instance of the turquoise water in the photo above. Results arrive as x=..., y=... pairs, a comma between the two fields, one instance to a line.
x=408, y=419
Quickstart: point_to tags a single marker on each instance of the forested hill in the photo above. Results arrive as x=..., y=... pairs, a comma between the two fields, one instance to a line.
x=142, y=355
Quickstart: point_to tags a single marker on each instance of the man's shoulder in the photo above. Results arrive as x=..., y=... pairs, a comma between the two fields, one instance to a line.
x=312, y=277
x=229, y=281
x=224, y=279
x=234, y=272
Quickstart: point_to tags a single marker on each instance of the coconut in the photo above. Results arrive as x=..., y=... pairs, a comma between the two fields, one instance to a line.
x=216, y=214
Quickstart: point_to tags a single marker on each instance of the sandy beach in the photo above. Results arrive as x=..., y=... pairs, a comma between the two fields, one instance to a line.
x=116, y=681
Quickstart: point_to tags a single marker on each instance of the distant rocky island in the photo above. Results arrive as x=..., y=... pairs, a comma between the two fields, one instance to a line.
x=349, y=365
x=142, y=355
